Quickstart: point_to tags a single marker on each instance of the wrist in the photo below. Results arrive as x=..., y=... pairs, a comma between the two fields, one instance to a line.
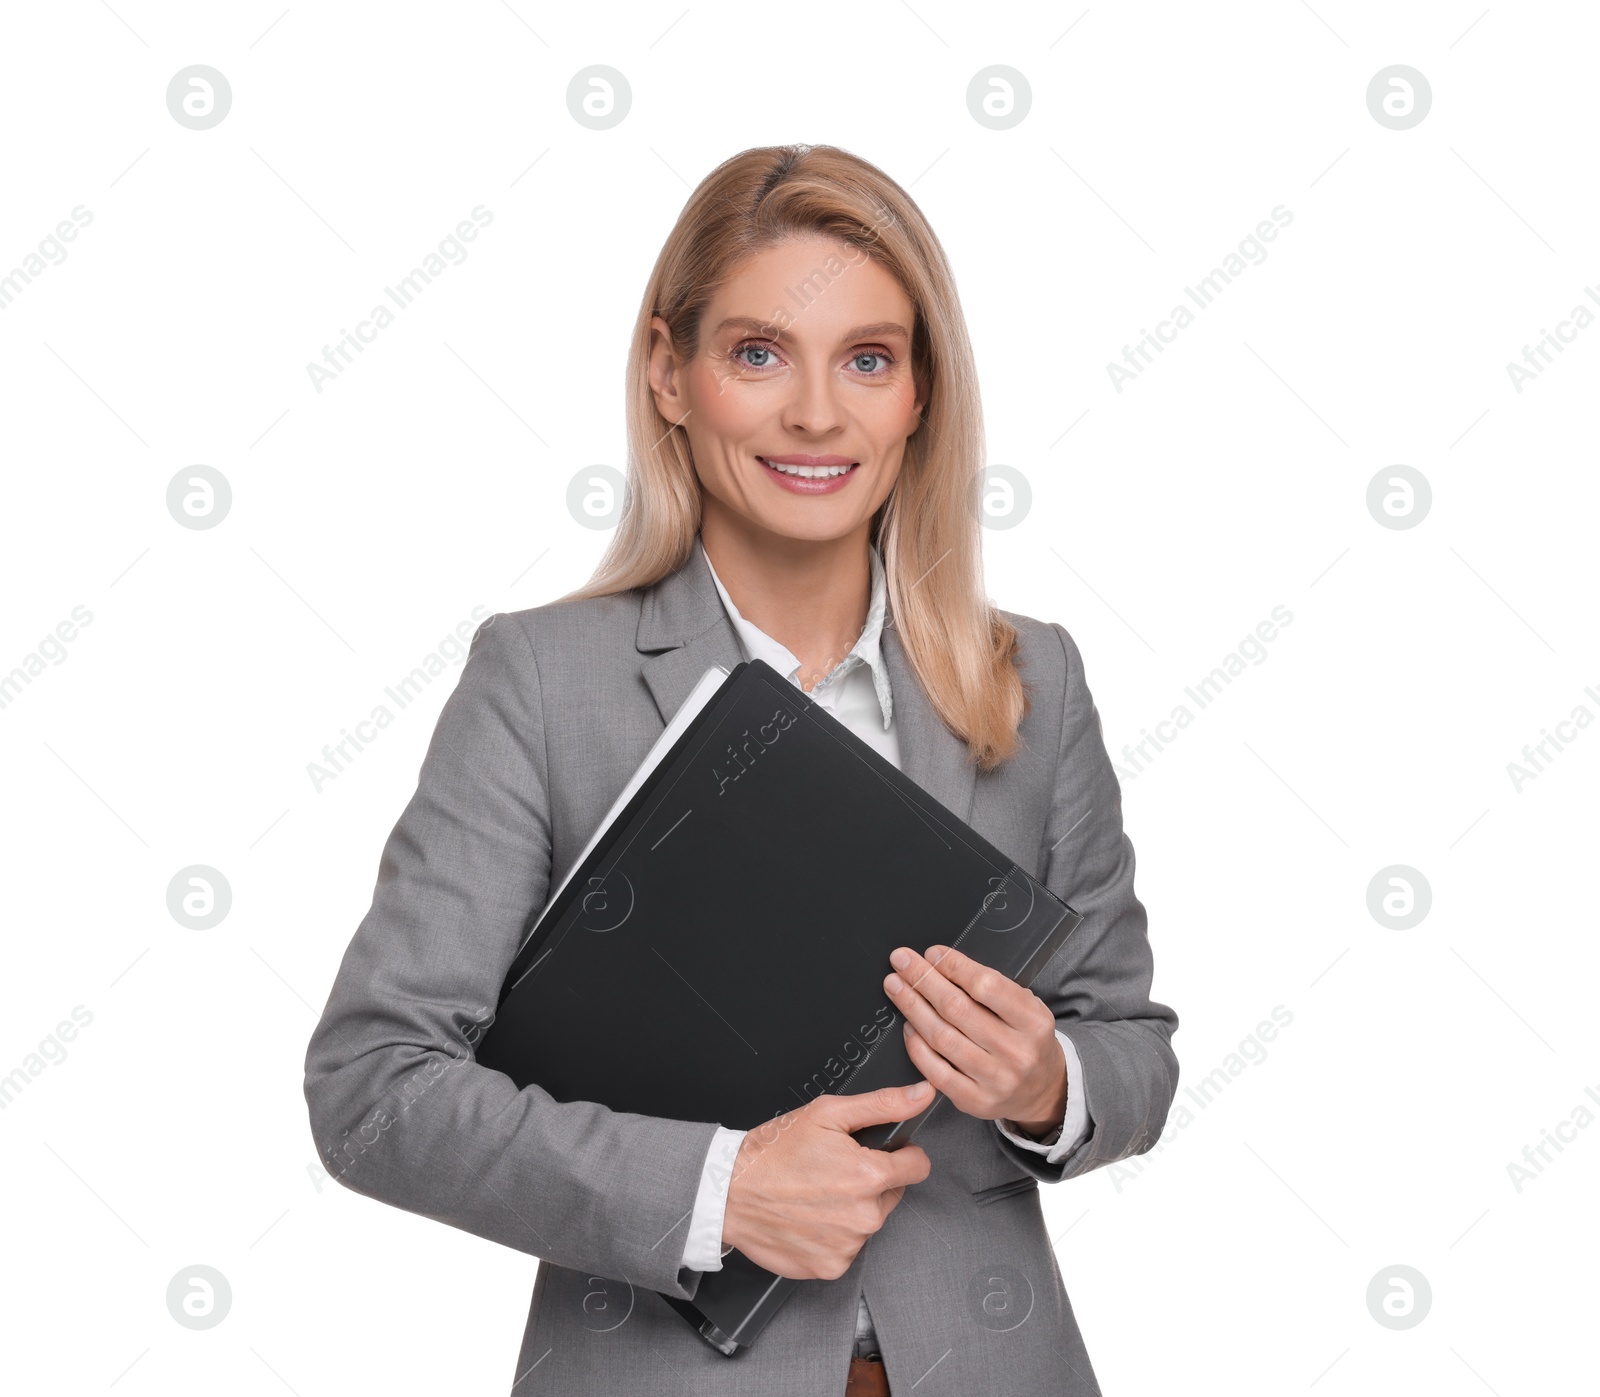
x=730, y=1225
x=1047, y=1116
x=730, y=1207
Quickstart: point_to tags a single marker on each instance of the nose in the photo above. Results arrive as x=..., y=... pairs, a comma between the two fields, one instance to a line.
x=813, y=407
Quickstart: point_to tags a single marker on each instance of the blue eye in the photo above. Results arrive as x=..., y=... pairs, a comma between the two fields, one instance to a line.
x=741, y=352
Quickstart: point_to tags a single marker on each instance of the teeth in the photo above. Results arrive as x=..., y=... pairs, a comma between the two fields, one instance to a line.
x=806, y=472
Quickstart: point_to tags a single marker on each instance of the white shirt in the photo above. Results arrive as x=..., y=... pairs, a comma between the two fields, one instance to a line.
x=856, y=692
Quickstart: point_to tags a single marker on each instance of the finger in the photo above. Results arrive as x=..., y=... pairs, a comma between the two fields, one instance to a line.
x=923, y=983
x=945, y=1076
x=878, y=1107
x=907, y=1165
x=985, y=985
x=945, y=1040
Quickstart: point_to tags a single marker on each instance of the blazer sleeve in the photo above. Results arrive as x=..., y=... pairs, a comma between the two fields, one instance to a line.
x=400, y=1110
x=1098, y=984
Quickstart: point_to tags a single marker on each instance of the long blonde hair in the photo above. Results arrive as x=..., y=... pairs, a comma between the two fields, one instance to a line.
x=928, y=530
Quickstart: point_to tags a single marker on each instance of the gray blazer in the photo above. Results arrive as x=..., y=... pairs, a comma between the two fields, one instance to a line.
x=554, y=709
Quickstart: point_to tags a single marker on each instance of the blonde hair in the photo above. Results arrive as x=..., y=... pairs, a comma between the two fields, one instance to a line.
x=928, y=530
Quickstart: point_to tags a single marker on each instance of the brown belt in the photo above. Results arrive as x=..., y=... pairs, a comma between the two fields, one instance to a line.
x=868, y=1378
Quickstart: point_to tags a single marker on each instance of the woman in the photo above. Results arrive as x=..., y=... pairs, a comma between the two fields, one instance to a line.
x=806, y=451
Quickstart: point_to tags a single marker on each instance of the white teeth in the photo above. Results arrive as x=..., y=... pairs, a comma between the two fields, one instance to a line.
x=806, y=472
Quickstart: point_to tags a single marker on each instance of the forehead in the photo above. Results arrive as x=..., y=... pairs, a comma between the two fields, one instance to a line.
x=815, y=289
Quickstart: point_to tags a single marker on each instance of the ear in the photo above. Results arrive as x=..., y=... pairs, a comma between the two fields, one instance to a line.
x=920, y=388
x=666, y=375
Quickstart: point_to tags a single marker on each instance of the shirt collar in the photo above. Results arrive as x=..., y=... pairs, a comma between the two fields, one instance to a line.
x=868, y=649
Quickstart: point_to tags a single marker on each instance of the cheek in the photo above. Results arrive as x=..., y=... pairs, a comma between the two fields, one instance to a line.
x=888, y=432
x=724, y=412
x=888, y=417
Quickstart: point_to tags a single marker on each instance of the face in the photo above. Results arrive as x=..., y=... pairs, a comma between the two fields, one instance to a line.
x=797, y=416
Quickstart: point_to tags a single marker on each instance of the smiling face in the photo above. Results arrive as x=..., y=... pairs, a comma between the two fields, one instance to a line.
x=797, y=418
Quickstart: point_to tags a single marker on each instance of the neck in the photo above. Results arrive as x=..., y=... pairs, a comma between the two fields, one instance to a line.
x=810, y=595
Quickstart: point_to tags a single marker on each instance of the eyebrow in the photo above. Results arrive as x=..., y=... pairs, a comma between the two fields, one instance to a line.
x=878, y=330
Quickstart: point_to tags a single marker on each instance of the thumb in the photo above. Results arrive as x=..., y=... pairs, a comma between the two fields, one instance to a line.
x=852, y=1113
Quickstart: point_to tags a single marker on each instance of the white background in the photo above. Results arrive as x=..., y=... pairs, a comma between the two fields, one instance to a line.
x=369, y=519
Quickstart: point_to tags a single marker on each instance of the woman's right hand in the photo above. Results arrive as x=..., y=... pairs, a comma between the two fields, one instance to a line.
x=804, y=1196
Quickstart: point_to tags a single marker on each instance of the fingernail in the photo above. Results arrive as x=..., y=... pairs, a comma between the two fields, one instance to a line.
x=919, y=1092
x=900, y=959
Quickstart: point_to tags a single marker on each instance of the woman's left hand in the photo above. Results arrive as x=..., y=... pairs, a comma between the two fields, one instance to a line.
x=981, y=1038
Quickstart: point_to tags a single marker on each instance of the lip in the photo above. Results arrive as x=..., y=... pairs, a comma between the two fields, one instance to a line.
x=795, y=485
x=808, y=460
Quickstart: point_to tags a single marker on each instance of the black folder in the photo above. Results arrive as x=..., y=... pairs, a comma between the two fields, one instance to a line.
x=719, y=953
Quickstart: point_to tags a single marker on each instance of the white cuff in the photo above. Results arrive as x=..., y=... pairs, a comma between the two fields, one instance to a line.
x=703, y=1249
x=1075, y=1123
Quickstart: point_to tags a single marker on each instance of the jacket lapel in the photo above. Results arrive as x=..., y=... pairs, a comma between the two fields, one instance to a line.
x=684, y=630
x=930, y=754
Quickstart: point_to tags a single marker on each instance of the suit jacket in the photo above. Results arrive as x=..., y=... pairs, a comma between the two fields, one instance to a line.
x=555, y=708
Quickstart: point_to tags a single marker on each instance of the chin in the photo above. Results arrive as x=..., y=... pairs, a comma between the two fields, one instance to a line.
x=811, y=525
